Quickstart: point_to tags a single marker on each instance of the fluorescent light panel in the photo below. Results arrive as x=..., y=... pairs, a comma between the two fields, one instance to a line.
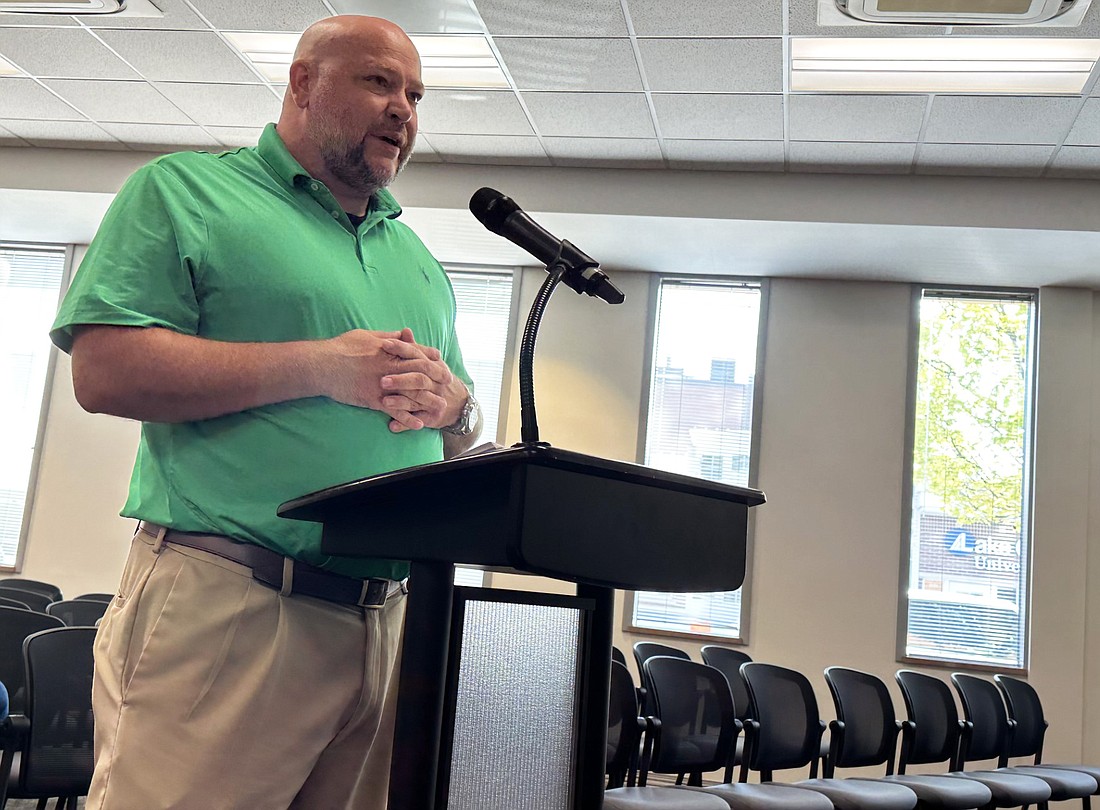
x=446, y=61
x=1015, y=65
x=59, y=6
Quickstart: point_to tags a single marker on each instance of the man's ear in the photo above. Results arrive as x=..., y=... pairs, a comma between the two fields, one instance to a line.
x=302, y=79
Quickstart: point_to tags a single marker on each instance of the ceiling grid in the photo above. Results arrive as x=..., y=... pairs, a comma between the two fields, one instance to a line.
x=616, y=83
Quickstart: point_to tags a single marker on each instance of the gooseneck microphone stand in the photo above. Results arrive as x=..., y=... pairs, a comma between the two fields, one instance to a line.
x=529, y=425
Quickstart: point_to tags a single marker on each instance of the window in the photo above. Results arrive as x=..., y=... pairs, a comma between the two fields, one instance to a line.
x=968, y=536
x=701, y=422
x=484, y=303
x=30, y=283
x=484, y=313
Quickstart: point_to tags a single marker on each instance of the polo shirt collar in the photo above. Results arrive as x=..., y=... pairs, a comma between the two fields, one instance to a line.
x=274, y=152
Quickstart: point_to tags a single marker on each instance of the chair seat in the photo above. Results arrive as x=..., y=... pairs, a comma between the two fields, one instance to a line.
x=858, y=794
x=943, y=792
x=770, y=796
x=1091, y=770
x=1063, y=784
x=1008, y=789
x=659, y=798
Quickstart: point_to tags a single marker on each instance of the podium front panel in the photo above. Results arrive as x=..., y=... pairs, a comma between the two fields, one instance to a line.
x=514, y=698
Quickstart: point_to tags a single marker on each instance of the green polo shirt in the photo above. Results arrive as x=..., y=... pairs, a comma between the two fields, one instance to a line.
x=245, y=246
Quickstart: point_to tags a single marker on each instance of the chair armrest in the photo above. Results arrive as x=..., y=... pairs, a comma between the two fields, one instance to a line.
x=836, y=745
x=908, y=731
x=752, y=732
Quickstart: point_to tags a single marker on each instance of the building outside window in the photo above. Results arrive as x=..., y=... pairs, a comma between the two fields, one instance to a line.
x=968, y=536
x=30, y=284
x=701, y=422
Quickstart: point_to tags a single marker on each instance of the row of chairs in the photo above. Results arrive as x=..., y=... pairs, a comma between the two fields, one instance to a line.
x=44, y=597
x=46, y=741
x=699, y=710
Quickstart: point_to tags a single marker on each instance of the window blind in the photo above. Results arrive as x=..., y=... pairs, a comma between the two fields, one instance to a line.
x=30, y=281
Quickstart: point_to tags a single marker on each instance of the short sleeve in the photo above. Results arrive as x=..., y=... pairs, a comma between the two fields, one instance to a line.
x=140, y=268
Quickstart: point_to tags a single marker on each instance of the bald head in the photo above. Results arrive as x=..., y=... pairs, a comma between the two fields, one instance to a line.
x=349, y=113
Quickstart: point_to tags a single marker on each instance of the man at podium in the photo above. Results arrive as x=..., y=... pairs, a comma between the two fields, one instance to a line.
x=277, y=330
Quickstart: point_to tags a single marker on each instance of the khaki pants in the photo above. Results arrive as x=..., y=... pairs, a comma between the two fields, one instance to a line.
x=213, y=691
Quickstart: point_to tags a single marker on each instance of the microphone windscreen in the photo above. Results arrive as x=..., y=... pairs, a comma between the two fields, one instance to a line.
x=492, y=208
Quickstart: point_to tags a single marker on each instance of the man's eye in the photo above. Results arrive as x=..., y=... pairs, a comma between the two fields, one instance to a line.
x=415, y=98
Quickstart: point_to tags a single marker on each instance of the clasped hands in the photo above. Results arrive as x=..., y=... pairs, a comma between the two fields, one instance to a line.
x=392, y=373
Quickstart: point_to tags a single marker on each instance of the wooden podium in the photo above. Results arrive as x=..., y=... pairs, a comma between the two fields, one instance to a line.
x=533, y=509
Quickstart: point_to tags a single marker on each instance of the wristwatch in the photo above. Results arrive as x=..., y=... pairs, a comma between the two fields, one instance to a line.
x=467, y=420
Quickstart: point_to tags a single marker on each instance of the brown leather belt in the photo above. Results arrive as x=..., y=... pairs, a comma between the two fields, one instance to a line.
x=274, y=570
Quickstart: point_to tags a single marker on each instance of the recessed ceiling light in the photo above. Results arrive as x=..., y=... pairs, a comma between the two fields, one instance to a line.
x=446, y=61
x=1015, y=65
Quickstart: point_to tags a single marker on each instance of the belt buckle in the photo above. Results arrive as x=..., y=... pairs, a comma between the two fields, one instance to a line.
x=374, y=593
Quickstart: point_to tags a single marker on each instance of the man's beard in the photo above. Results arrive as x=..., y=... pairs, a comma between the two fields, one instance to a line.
x=347, y=162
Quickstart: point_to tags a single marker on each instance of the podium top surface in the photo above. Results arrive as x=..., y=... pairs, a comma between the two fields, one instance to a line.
x=318, y=506
x=537, y=509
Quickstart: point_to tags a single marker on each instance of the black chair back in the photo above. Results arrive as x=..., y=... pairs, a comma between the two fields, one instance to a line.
x=78, y=612
x=786, y=726
x=1025, y=708
x=931, y=706
x=14, y=603
x=728, y=661
x=695, y=707
x=96, y=597
x=984, y=709
x=32, y=599
x=57, y=756
x=44, y=588
x=643, y=651
x=617, y=656
x=624, y=727
x=15, y=625
x=866, y=733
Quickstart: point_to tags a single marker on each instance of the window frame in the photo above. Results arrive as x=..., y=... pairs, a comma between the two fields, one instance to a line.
x=763, y=284
x=67, y=251
x=917, y=292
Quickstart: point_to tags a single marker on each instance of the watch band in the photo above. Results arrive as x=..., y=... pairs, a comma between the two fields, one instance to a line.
x=466, y=421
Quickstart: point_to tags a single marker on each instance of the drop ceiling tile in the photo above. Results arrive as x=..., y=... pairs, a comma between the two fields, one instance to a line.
x=490, y=149
x=70, y=53
x=8, y=138
x=124, y=102
x=261, y=15
x=877, y=119
x=570, y=64
x=224, y=105
x=1007, y=120
x=1086, y=129
x=473, y=112
x=162, y=138
x=620, y=153
x=591, y=115
x=180, y=56
x=1076, y=161
x=561, y=18
x=852, y=158
x=176, y=15
x=746, y=156
x=26, y=98
x=713, y=65
x=62, y=134
x=720, y=116
x=423, y=151
x=705, y=18
x=235, y=137
x=984, y=159
x=37, y=21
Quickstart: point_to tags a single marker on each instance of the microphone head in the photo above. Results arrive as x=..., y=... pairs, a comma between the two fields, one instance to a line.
x=492, y=208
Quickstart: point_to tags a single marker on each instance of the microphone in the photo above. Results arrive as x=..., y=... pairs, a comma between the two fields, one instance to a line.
x=502, y=216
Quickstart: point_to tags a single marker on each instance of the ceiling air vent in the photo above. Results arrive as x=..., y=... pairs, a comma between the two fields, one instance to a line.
x=956, y=12
x=61, y=6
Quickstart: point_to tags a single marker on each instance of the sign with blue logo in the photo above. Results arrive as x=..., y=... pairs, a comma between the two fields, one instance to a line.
x=958, y=541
